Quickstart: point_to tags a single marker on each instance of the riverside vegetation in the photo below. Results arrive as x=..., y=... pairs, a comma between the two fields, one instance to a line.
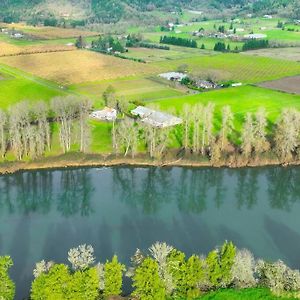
x=28, y=133
x=162, y=272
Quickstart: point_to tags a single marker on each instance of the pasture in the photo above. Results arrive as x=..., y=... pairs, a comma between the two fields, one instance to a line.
x=236, y=67
x=131, y=88
x=16, y=86
x=77, y=66
x=241, y=99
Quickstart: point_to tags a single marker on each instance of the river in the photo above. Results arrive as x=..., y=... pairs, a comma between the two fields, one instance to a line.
x=45, y=213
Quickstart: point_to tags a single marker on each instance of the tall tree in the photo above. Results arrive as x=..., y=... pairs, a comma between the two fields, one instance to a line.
x=3, y=137
x=287, y=134
x=84, y=107
x=227, y=125
x=260, y=142
x=248, y=135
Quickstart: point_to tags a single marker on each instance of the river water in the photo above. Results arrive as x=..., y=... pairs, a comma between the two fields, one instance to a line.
x=45, y=213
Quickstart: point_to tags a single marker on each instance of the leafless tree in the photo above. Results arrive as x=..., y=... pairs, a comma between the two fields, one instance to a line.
x=65, y=112
x=3, y=136
x=247, y=137
x=84, y=107
x=207, y=126
x=260, y=142
x=287, y=134
x=227, y=125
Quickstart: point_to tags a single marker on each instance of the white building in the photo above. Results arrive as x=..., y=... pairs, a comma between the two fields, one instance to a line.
x=255, y=36
x=155, y=118
x=106, y=114
x=173, y=76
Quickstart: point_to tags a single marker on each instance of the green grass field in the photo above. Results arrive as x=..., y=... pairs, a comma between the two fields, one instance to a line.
x=246, y=294
x=241, y=99
x=16, y=86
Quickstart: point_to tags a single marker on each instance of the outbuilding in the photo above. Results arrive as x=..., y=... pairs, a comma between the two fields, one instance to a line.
x=106, y=114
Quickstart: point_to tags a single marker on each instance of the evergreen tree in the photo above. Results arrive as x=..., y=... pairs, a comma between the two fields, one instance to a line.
x=113, y=277
x=146, y=281
x=7, y=286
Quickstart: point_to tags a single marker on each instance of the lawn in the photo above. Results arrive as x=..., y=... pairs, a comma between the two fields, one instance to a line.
x=241, y=99
x=244, y=294
x=237, y=67
x=16, y=86
x=77, y=66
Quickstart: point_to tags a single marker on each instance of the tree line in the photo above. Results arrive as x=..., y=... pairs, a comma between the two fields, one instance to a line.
x=255, y=44
x=177, y=41
x=161, y=272
x=198, y=135
x=27, y=131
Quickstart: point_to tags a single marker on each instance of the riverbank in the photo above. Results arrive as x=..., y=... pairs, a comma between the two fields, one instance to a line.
x=77, y=160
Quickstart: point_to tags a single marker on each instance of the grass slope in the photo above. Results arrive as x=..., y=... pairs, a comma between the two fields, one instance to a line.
x=16, y=86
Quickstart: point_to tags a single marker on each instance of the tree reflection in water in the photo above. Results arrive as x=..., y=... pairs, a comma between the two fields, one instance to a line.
x=71, y=191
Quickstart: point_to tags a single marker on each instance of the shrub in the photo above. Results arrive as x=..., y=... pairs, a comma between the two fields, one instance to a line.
x=7, y=286
x=243, y=269
x=113, y=274
x=146, y=281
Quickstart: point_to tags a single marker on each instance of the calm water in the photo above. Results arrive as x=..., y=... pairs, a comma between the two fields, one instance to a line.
x=43, y=214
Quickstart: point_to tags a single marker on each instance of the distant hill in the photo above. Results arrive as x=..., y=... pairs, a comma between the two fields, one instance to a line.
x=112, y=11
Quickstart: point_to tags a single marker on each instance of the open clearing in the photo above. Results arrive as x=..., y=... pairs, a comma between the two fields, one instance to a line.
x=292, y=53
x=288, y=85
x=77, y=66
x=44, y=32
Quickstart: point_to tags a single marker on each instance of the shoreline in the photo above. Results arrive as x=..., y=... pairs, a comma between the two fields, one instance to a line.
x=79, y=160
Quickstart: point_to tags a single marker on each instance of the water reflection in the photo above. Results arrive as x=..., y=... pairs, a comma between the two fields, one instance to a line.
x=148, y=189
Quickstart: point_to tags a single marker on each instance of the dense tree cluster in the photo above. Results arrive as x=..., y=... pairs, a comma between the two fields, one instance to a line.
x=162, y=272
x=255, y=44
x=26, y=130
x=108, y=44
x=172, y=40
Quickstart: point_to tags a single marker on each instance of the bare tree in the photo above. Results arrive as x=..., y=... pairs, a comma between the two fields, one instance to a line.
x=287, y=134
x=127, y=135
x=227, y=125
x=3, y=138
x=197, y=115
x=207, y=126
x=43, y=138
x=260, y=142
x=156, y=140
x=84, y=107
x=186, y=116
x=19, y=127
x=247, y=137
x=65, y=111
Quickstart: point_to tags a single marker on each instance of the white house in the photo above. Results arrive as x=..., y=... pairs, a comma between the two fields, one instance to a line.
x=173, y=76
x=106, y=114
x=155, y=118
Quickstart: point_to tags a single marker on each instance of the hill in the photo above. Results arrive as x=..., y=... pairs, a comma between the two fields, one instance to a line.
x=112, y=11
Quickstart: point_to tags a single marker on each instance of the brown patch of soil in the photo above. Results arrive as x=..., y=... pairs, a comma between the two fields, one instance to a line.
x=287, y=84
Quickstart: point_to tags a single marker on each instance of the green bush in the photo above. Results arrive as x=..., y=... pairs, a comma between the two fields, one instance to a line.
x=7, y=287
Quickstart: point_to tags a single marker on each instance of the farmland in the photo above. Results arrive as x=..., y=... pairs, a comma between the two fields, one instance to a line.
x=76, y=66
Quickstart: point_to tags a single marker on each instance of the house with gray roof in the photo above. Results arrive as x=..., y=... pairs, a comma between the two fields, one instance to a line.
x=155, y=118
